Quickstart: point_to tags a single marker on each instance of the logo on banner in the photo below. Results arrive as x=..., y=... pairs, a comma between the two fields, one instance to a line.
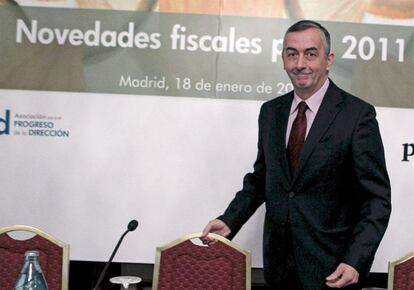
x=5, y=124
x=31, y=125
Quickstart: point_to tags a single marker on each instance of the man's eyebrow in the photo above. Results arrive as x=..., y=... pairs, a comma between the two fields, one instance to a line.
x=291, y=48
x=307, y=49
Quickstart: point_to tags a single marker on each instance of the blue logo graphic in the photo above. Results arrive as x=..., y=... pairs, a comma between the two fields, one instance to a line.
x=5, y=124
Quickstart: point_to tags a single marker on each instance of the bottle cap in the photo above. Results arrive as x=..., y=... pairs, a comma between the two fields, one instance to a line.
x=31, y=253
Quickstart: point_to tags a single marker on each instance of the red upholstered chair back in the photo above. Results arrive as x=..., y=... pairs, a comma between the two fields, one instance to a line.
x=53, y=255
x=185, y=265
x=401, y=273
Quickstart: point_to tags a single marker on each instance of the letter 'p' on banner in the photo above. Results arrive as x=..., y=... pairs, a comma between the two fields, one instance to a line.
x=408, y=151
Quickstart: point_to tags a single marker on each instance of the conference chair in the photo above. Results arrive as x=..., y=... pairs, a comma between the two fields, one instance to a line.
x=187, y=264
x=401, y=273
x=53, y=256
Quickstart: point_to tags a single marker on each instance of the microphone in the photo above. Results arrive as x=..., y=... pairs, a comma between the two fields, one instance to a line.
x=132, y=226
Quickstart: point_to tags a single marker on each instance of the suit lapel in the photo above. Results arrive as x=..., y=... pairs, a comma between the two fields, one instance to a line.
x=326, y=114
x=279, y=131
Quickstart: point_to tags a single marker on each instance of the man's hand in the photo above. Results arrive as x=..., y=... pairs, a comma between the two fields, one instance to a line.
x=343, y=276
x=217, y=227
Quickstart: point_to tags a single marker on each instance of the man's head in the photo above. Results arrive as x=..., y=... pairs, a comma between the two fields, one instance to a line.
x=307, y=56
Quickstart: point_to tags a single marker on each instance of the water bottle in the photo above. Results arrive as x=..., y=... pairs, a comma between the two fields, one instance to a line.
x=31, y=277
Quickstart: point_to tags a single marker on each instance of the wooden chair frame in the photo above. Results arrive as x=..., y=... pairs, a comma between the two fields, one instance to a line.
x=64, y=246
x=195, y=236
x=391, y=268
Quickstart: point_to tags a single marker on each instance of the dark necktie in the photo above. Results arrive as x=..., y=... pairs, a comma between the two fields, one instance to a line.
x=297, y=137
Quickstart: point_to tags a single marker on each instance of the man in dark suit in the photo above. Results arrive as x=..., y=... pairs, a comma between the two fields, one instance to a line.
x=320, y=170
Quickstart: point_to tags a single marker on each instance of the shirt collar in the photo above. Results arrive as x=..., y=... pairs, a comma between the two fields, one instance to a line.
x=313, y=102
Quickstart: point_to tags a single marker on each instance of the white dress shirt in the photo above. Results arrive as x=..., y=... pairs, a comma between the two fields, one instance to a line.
x=313, y=102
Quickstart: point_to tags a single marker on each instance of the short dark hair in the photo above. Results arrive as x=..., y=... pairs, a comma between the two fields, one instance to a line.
x=306, y=24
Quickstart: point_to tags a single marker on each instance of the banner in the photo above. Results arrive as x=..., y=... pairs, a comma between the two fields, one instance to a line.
x=151, y=113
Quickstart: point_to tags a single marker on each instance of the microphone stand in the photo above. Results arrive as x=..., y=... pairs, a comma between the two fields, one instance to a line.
x=131, y=227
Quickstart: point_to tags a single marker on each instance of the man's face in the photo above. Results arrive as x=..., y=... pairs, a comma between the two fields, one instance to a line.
x=305, y=61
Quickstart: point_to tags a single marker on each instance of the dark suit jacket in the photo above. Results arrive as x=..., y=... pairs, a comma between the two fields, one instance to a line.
x=338, y=201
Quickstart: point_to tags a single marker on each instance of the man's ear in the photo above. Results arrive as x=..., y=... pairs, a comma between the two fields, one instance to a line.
x=331, y=58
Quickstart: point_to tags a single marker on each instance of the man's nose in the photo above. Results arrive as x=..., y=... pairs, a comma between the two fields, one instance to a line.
x=300, y=62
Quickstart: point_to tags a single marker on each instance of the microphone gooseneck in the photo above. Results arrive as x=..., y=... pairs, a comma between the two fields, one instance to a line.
x=132, y=225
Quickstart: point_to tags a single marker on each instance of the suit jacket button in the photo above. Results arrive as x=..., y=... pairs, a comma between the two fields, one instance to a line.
x=291, y=194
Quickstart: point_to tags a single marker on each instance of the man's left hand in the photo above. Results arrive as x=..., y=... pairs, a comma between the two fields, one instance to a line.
x=343, y=276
